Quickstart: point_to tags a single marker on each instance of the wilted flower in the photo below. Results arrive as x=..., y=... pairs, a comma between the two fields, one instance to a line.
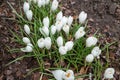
x=58, y=74
x=63, y=50
x=26, y=40
x=60, y=41
x=79, y=33
x=29, y=15
x=96, y=51
x=91, y=41
x=109, y=72
x=47, y=42
x=41, y=43
x=28, y=48
x=89, y=58
x=54, y=5
x=70, y=20
x=44, y=30
x=27, y=29
x=69, y=45
x=68, y=75
x=59, y=16
x=53, y=29
x=46, y=22
x=82, y=17
x=26, y=6
x=66, y=29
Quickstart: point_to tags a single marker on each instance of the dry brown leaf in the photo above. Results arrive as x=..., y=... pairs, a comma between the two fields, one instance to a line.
x=83, y=70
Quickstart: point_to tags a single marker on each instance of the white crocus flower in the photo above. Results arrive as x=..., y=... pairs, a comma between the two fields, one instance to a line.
x=46, y=22
x=27, y=49
x=58, y=74
x=64, y=20
x=96, y=51
x=79, y=33
x=70, y=20
x=66, y=29
x=26, y=40
x=89, y=58
x=43, y=2
x=54, y=5
x=29, y=15
x=109, y=72
x=69, y=45
x=68, y=75
x=59, y=41
x=59, y=16
x=91, y=41
x=53, y=29
x=63, y=50
x=45, y=31
x=59, y=25
x=39, y=3
x=27, y=29
x=47, y=2
x=47, y=42
x=26, y=7
x=41, y=43
x=82, y=17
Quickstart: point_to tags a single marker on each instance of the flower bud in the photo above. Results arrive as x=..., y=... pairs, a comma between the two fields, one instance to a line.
x=41, y=43
x=82, y=17
x=26, y=40
x=96, y=51
x=63, y=50
x=58, y=74
x=59, y=16
x=27, y=29
x=29, y=15
x=46, y=22
x=69, y=45
x=26, y=7
x=60, y=41
x=66, y=29
x=91, y=41
x=27, y=49
x=54, y=5
x=53, y=29
x=47, y=42
x=70, y=20
x=89, y=58
x=45, y=31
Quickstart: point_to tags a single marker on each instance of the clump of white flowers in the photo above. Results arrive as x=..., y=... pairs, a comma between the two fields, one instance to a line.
x=52, y=35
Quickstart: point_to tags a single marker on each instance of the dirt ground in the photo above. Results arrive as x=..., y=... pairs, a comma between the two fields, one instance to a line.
x=103, y=15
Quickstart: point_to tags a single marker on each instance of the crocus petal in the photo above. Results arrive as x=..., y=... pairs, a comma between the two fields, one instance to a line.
x=53, y=29
x=26, y=40
x=27, y=29
x=54, y=5
x=44, y=31
x=47, y=2
x=26, y=7
x=40, y=43
x=47, y=42
x=91, y=41
x=66, y=29
x=59, y=16
x=70, y=20
x=29, y=15
x=89, y=58
x=96, y=51
x=69, y=45
x=46, y=22
x=58, y=74
x=82, y=17
x=63, y=50
x=27, y=49
x=64, y=20
x=60, y=41
x=59, y=25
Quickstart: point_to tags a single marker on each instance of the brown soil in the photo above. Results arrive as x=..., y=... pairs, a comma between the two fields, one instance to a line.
x=103, y=15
